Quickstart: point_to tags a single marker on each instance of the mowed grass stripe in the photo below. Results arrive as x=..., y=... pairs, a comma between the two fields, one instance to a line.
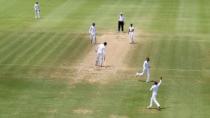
x=28, y=40
x=48, y=56
x=203, y=16
x=13, y=42
x=166, y=12
x=87, y=13
x=37, y=40
x=22, y=56
x=45, y=42
x=19, y=48
x=187, y=19
x=22, y=53
x=6, y=39
x=35, y=46
x=3, y=36
x=57, y=51
x=57, y=15
x=77, y=48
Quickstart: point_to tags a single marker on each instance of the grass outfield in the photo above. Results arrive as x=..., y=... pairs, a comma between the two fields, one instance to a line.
x=175, y=34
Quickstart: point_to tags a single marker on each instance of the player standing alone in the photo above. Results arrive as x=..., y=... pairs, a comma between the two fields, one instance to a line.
x=121, y=22
x=131, y=33
x=146, y=69
x=37, y=10
x=100, y=54
x=154, y=90
x=92, y=32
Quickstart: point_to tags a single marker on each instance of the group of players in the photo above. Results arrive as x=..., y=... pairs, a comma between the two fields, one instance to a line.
x=100, y=52
x=100, y=58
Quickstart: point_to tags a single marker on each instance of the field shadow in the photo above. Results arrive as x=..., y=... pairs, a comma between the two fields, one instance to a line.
x=154, y=108
x=140, y=80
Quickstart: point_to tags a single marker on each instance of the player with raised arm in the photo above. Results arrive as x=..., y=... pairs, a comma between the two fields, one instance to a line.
x=154, y=90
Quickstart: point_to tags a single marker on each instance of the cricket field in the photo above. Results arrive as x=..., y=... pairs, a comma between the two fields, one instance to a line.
x=47, y=65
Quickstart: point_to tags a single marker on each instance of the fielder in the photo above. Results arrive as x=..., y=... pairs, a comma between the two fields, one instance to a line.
x=37, y=10
x=146, y=69
x=154, y=90
x=100, y=51
x=92, y=32
x=131, y=33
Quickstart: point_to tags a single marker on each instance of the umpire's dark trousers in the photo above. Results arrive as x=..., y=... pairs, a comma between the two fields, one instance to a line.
x=120, y=26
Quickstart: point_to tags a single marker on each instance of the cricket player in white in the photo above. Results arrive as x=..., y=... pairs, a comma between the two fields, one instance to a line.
x=121, y=22
x=100, y=54
x=154, y=90
x=37, y=10
x=92, y=32
x=146, y=69
x=131, y=33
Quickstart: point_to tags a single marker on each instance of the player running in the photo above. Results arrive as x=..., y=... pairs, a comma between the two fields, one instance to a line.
x=146, y=69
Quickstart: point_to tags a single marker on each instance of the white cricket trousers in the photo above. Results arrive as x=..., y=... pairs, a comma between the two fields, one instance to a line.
x=37, y=14
x=131, y=37
x=93, y=38
x=153, y=99
x=147, y=71
x=99, y=59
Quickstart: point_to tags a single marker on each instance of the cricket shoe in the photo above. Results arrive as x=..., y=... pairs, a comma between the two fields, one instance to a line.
x=148, y=107
x=137, y=74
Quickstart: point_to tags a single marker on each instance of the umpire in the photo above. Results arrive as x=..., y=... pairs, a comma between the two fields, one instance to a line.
x=121, y=23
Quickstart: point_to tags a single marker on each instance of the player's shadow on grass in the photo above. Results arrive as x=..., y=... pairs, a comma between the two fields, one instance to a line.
x=154, y=108
x=103, y=67
x=141, y=80
x=133, y=43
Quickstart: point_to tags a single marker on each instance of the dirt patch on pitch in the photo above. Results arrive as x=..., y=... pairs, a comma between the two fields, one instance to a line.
x=82, y=111
x=116, y=52
x=117, y=116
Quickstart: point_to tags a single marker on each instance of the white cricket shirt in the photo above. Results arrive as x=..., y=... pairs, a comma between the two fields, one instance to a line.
x=101, y=49
x=92, y=29
x=146, y=65
x=36, y=7
x=121, y=18
x=131, y=29
x=154, y=88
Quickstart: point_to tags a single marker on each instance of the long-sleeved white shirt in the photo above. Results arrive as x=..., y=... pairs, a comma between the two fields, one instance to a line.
x=154, y=88
x=101, y=49
x=146, y=65
x=121, y=18
x=36, y=7
x=92, y=30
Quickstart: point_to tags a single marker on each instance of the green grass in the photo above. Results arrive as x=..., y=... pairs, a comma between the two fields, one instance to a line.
x=174, y=34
